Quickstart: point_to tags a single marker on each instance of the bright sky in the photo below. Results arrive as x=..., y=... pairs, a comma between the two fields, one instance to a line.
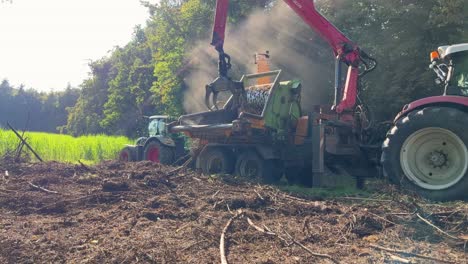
x=45, y=44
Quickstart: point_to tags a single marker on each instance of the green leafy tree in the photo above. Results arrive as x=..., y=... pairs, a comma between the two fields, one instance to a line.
x=84, y=117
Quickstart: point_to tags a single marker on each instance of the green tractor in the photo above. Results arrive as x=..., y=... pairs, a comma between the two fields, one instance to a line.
x=160, y=146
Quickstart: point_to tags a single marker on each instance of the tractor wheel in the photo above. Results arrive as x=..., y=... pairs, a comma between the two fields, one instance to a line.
x=159, y=153
x=128, y=154
x=427, y=151
x=250, y=165
x=216, y=160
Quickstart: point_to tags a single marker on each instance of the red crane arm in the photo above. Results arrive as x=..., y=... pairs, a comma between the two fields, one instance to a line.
x=219, y=27
x=343, y=48
x=340, y=44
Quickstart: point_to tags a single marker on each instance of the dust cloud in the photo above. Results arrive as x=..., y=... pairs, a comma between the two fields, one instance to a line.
x=294, y=48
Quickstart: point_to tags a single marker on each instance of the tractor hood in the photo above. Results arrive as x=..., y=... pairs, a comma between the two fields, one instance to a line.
x=432, y=100
x=451, y=49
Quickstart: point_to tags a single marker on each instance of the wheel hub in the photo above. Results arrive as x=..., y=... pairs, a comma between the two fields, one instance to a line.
x=438, y=159
x=153, y=155
x=124, y=156
x=251, y=168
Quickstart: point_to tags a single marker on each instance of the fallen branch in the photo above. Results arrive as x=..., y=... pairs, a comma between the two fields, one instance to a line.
x=180, y=159
x=263, y=230
x=183, y=227
x=84, y=166
x=409, y=254
x=8, y=191
x=176, y=170
x=311, y=252
x=296, y=198
x=194, y=244
x=21, y=144
x=436, y=228
x=267, y=231
x=24, y=142
x=383, y=218
x=259, y=196
x=214, y=195
x=67, y=201
x=222, y=242
x=363, y=199
x=399, y=259
x=41, y=188
x=19, y=149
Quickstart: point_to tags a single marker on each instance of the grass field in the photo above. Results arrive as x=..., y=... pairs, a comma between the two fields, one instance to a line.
x=88, y=149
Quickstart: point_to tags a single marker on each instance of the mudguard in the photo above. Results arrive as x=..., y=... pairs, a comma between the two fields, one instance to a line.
x=266, y=152
x=140, y=141
x=166, y=141
x=433, y=100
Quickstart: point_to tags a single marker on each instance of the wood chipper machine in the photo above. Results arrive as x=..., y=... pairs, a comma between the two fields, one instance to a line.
x=261, y=130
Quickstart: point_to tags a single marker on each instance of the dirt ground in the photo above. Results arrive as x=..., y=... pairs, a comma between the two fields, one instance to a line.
x=146, y=213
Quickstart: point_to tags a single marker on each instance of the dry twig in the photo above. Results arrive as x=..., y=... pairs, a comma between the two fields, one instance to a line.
x=399, y=259
x=84, y=165
x=409, y=254
x=176, y=170
x=383, y=218
x=222, y=242
x=437, y=228
x=363, y=199
x=259, y=196
x=41, y=188
x=296, y=198
x=311, y=252
x=194, y=244
x=214, y=195
x=267, y=231
x=6, y=190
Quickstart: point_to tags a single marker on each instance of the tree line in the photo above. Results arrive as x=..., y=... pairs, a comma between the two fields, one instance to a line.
x=28, y=109
x=151, y=74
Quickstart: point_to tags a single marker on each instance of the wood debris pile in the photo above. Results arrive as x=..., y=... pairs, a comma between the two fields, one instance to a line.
x=141, y=212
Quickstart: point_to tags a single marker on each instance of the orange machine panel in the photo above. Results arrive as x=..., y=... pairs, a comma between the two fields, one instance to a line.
x=301, y=130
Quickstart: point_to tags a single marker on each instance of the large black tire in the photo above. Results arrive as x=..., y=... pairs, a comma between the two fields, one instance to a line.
x=215, y=160
x=250, y=165
x=128, y=154
x=159, y=153
x=425, y=152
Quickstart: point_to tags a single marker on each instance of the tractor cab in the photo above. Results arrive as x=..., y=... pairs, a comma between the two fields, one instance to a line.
x=450, y=63
x=157, y=125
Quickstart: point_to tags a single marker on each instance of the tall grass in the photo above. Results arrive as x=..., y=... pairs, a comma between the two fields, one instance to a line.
x=89, y=149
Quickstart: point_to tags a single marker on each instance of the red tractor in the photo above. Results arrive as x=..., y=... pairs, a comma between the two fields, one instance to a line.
x=427, y=148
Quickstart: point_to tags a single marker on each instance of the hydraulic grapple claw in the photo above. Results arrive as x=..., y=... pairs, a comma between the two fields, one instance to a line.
x=209, y=91
x=222, y=84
